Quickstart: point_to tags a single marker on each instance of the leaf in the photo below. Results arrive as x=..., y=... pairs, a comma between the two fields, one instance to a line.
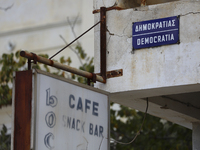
x=69, y=61
x=73, y=76
x=80, y=79
x=81, y=52
x=62, y=60
x=5, y=139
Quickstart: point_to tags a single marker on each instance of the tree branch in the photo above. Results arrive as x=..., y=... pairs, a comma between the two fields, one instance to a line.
x=72, y=27
x=7, y=8
x=72, y=49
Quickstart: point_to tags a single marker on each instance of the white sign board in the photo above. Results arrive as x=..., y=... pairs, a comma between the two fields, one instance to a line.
x=69, y=116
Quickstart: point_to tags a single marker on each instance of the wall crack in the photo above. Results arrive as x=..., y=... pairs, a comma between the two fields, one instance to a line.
x=190, y=13
x=109, y=32
x=112, y=34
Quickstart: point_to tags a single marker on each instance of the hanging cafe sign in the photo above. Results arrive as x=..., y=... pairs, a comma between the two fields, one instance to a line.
x=156, y=32
x=65, y=114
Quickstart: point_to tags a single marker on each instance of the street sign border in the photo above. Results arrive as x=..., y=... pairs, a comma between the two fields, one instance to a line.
x=178, y=42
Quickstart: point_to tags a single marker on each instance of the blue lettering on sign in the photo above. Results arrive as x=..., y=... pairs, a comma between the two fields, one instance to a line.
x=47, y=140
x=70, y=103
x=96, y=130
x=155, y=32
x=95, y=109
x=77, y=125
x=80, y=106
x=50, y=100
x=73, y=123
x=91, y=129
x=86, y=105
x=50, y=119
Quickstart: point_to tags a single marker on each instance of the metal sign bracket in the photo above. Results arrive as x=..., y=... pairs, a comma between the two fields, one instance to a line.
x=102, y=76
x=113, y=73
x=103, y=29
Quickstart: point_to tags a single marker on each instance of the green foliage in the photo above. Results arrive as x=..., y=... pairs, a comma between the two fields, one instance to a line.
x=81, y=52
x=156, y=134
x=86, y=66
x=5, y=139
x=8, y=65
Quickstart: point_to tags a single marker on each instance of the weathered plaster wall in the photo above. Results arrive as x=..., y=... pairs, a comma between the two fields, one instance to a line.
x=153, y=72
x=172, y=65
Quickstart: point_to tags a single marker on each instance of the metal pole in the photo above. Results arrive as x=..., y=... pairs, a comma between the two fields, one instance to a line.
x=29, y=64
x=103, y=42
x=49, y=62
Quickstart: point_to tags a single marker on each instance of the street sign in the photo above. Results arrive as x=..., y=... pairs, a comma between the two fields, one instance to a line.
x=70, y=116
x=156, y=32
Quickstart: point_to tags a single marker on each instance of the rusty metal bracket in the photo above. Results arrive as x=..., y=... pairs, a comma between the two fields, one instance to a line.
x=94, y=79
x=61, y=66
x=88, y=81
x=29, y=64
x=34, y=58
x=143, y=2
x=113, y=73
x=91, y=76
x=103, y=30
x=34, y=61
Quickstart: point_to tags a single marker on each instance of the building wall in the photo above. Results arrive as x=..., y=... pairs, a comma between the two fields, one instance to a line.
x=36, y=26
x=155, y=71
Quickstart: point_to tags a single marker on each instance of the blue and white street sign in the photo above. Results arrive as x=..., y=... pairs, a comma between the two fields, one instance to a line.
x=156, y=32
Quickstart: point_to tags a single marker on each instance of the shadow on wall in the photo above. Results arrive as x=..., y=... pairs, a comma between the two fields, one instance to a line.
x=136, y=3
x=153, y=2
x=126, y=4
